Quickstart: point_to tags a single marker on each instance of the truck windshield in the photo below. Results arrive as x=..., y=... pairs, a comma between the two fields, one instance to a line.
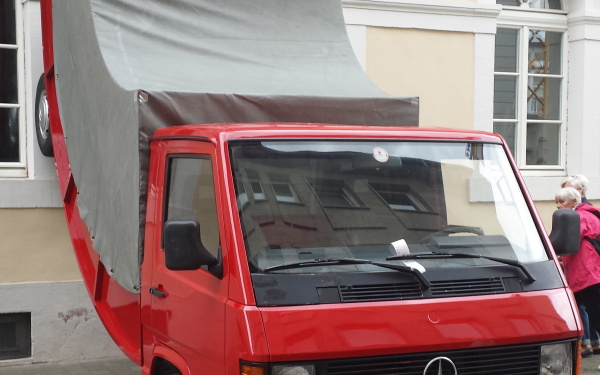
x=357, y=206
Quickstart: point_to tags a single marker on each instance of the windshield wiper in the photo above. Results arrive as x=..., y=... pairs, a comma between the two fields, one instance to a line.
x=445, y=255
x=343, y=261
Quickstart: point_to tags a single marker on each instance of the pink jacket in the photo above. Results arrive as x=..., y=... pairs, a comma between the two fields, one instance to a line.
x=583, y=267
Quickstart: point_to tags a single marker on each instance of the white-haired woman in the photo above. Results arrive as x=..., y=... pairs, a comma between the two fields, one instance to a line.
x=583, y=268
x=580, y=183
x=591, y=338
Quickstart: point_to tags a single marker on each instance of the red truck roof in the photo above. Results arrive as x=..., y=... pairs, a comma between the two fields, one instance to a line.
x=308, y=130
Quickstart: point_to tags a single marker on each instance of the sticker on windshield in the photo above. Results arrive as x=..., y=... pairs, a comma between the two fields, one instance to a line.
x=381, y=155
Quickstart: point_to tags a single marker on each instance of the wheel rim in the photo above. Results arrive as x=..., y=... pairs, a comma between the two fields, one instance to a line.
x=43, y=119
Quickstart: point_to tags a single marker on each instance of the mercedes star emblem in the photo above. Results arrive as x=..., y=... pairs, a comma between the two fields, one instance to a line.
x=440, y=366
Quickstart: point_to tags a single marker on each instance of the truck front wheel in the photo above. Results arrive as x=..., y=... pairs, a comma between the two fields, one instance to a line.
x=42, y=119
x=164, y=367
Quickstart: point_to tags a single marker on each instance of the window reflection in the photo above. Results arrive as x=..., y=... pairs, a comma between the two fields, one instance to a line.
x=505, y=59
x=8, y=29
x=9, y=135
x=543, y=144
x=534, y=4
x=508, y=130
x=505, y=97
x=543, y=98
x=9, y=94
x=545, y=52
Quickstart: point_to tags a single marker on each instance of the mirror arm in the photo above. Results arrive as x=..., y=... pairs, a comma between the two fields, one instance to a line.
x=217, y=269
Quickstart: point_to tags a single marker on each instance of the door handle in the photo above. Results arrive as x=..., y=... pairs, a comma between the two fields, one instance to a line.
x=155, y=292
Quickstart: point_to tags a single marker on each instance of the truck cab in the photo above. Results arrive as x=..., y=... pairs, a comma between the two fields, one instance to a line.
x=327, y=249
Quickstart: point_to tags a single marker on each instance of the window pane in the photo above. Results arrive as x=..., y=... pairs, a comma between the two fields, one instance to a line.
x=505, y=97
x=257, y=191
x=545, y=4
x=191, y=196
x=535, y=4
x=9, y=135
x=543, y=144
x=515, y=3
x=7, y=23
x=508, y=130
x=545, y=52
x=284, y=193
x=506, y=50
x=335, y=196
x=543, y=98
x=8, y=76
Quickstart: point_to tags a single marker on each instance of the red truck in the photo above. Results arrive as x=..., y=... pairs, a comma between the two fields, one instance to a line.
x=224, y=234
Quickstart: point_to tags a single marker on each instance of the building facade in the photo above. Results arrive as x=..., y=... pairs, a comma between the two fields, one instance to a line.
x=524, y=69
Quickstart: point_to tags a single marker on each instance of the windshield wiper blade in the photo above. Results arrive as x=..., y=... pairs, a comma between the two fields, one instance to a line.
x=442, y=255
x=317, y=262
x=343, y=261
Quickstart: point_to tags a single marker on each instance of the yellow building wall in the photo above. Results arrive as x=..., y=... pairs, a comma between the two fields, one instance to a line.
x=545, y=209
x=35, y=246
x=436, y=66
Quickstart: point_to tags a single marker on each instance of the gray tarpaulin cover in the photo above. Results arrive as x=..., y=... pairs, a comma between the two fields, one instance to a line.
x=196, y=61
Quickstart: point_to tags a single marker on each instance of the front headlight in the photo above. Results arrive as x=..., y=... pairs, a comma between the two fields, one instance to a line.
x=293, y=370
x=557, y=359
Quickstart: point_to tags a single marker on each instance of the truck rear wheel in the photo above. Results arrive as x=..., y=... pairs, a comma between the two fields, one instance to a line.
x=42, y=119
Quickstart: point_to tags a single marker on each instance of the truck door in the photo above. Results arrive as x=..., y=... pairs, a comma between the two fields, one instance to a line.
x=188, y=306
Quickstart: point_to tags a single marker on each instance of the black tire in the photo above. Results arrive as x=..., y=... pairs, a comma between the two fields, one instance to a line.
x=42, y=119
x=164, y=367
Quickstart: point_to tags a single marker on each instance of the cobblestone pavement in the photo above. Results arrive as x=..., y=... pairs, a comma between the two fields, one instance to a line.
x=589, y=366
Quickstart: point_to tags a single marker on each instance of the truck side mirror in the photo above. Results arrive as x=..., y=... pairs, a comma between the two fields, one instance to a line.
x=565, y=231
x=183, y=247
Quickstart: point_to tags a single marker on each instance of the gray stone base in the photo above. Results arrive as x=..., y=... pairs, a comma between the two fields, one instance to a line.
x=64, y=324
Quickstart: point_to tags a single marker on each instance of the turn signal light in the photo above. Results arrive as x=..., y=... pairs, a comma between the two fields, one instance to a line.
x=252, y=370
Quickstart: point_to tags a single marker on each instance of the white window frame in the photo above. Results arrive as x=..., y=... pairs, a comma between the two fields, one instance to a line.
x=18, y=169
x=525, y=19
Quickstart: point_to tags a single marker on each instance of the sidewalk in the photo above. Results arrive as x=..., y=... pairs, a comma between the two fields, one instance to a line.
x=120, y=366
x=589, y=366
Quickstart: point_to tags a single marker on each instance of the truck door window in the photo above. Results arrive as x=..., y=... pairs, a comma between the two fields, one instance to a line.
x=191, y=196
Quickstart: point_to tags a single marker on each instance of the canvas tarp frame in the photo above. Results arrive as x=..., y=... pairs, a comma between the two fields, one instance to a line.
x=124, y=69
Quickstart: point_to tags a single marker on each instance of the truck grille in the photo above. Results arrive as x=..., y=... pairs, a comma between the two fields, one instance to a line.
x=514, y=360
x=385, y=292
x=388, y=292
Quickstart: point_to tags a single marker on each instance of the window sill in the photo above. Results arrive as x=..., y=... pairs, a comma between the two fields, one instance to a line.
x=25, y=193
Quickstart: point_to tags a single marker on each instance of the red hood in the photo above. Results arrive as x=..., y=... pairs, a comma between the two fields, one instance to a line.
x=380, y=328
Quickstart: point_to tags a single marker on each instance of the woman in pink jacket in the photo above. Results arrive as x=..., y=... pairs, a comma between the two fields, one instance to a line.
x=583, y=267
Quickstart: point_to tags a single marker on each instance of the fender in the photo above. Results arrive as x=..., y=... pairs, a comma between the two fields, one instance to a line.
x=168, y=354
